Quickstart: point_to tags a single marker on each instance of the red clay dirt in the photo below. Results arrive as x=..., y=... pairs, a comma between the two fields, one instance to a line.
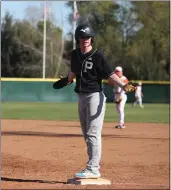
x=45, y=154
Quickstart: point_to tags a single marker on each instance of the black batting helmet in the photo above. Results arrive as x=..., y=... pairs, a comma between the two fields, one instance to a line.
x=84, y=30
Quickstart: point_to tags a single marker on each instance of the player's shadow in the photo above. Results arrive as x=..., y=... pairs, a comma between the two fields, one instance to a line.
x=43, y=134
x=63, y=135
x=31, y=180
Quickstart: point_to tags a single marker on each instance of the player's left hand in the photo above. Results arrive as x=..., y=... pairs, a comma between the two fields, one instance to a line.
x=129, y=88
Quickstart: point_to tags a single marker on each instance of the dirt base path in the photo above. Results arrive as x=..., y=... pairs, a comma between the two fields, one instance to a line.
x=44, y=154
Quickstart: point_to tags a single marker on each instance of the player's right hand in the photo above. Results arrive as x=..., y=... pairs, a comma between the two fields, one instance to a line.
x=62, y=82
x=118, y=100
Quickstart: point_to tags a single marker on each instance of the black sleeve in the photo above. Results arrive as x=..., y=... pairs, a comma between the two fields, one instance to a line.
x=106, y=69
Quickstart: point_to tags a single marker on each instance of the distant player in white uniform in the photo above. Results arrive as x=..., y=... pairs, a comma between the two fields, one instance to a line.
x=138, y=95
x=120, y=98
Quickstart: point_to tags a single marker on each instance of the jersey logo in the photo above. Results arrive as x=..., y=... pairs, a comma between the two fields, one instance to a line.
x=84, y=30
x=88, y=64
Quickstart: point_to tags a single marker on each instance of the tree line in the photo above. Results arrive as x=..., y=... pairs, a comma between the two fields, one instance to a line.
x=134, y=35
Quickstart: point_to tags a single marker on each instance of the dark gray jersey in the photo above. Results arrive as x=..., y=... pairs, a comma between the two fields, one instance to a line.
x=90, y=69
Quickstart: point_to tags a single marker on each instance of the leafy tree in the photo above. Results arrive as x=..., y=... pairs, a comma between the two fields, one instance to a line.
x=17, y=58
x=149, y=50
x=134, y=35
x=22, y=48
x=7, y=43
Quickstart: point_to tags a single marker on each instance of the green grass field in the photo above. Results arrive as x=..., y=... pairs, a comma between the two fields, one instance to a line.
x=152, y=113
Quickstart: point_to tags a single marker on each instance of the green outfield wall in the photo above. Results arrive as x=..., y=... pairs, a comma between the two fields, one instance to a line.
x=153, y=93
x=39, y=90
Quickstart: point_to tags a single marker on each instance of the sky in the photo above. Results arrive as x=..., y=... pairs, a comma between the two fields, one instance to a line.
x=59, y=10
x=17, y=9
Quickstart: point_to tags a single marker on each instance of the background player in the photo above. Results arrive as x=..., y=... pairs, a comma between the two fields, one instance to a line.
x=138, y=95
x=120, y=97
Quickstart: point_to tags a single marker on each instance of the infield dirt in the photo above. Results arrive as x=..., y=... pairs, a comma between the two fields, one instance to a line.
x=45, y=154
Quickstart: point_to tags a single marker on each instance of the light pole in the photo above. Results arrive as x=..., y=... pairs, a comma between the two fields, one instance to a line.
x=75, y=16
x=44, y=41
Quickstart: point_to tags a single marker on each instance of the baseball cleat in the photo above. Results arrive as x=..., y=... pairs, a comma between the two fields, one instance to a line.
x=120, y=126
x=88, y=174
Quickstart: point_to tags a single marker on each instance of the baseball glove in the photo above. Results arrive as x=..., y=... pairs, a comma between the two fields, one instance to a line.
x=61, y=83
x=118, y=100
x=129, y=88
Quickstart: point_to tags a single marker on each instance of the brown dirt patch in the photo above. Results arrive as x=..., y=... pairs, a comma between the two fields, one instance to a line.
x=44, y=154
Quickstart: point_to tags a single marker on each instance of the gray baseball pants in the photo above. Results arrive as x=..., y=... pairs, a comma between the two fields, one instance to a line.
x=91, y=109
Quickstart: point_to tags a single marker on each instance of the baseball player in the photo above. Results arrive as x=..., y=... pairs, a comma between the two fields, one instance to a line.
x=120, y=97
x=89, y=66
x=138, y=95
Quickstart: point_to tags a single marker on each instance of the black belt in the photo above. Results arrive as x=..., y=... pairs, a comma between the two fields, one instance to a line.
x=119, y=92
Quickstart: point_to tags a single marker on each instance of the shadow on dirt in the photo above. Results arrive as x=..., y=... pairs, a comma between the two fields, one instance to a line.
x=31, y=180
x=43, y=134
x=48, y=134
x=58, y=125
